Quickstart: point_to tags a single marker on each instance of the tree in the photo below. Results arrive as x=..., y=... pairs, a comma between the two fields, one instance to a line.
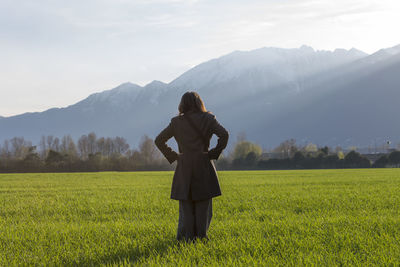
x=149, y=154
x=94, y=162
x=394, y=158
x=355, y=160
x=251, y=159
x=5, y=152
x=222, y=163
x=135, y=158
x=49, y=141
x=288, y=148
x=68, y=146
x=54, y=157
x=243, y=148
x=121, y=146
x=324, y=150
x=83, y=146
x=91, y=143
x=32, y=161
x=331, y=161
x=382, y=162
x=56, y=144
x=19, y=147
x=53, y=143
x=101, y=146
x=311, y=148
x=352, y=148
x=43, y=147
x=298, y=160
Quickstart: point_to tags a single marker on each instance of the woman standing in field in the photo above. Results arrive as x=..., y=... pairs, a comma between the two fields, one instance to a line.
x=195, y=181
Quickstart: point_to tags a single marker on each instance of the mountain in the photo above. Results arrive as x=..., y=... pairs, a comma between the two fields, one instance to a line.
x=261, y=70
x=340, y=97
x=356, y=109
x=352, y=106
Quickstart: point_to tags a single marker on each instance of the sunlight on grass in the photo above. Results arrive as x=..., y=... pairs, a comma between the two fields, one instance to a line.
x=324, y=217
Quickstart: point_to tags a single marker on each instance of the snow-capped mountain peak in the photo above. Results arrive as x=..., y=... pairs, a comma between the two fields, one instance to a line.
x=270, y=65
x=271, y=93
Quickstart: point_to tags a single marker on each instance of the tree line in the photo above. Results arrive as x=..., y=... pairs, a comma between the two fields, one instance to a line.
x=288, y=155
x=89, y=153
x=92, y=153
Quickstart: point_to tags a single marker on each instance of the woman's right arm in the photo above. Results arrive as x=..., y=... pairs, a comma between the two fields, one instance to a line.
x=161, y=143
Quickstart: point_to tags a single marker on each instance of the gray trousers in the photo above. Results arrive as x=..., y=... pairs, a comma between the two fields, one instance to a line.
x=194, y=219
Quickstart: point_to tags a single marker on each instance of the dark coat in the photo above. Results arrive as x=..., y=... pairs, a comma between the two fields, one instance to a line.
x=195, y=176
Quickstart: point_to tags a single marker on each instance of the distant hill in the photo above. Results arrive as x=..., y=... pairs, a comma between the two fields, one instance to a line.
x=344, y=97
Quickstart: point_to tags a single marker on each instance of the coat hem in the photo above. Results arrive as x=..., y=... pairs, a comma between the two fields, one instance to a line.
x=197, y=199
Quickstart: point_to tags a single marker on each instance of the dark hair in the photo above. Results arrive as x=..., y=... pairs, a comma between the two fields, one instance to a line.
x=191, y=101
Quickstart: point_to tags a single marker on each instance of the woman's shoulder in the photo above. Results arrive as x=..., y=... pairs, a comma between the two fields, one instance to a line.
x=207, y=115
x=177, y=118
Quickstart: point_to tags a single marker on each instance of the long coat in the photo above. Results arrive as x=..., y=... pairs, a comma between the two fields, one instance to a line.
x=195, y=177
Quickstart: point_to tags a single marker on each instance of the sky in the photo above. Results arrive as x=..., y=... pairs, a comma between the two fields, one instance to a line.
x=55, y=53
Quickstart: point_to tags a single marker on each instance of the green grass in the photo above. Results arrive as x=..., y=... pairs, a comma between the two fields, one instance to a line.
x=317, y=217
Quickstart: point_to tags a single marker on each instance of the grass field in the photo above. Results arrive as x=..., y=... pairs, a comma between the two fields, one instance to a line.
x=323, y=217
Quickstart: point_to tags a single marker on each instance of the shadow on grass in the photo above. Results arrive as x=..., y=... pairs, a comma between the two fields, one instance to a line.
x=134, y=254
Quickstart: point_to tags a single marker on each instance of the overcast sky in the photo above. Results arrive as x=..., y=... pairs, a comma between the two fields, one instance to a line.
x=55, y=53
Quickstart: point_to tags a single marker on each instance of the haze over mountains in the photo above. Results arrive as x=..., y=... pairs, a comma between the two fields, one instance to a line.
x=344, y=97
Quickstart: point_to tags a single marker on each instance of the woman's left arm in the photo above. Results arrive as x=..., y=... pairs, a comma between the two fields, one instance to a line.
x=161, y=143
x=223, y=137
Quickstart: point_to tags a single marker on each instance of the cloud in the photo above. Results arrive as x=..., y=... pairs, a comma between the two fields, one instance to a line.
x=85, y=46
x=169, y=21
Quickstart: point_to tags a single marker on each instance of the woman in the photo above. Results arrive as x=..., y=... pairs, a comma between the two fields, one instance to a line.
x=195, y=181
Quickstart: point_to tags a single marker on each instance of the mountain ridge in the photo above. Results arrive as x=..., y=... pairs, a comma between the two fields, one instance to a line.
x=249, y=91
x=126, y=85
